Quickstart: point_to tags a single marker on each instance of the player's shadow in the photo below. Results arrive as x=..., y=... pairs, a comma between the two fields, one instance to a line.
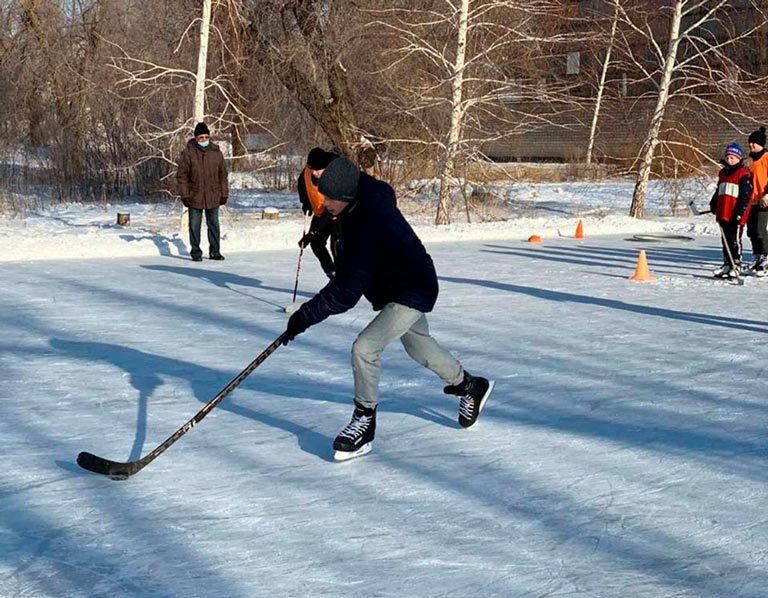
x=147, y=372
x=162, y=243
x=673, y=314
x=229, y=281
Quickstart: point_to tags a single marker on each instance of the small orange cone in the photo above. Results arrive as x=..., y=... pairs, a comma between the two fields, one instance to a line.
x=579, y=231
x=534, y=239
x=642, y=274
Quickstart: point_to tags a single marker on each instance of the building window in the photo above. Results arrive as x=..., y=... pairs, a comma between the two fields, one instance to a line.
x=572, y=63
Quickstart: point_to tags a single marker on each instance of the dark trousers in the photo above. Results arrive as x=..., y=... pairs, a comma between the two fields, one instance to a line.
x=732, y=233
x=195, y=223
x=323, y=229
x=757, y=230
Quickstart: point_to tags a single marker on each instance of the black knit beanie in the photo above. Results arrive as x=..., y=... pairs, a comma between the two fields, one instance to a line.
x=201, y=129
x=318, y=158
x=339, y=180
x=758, y=137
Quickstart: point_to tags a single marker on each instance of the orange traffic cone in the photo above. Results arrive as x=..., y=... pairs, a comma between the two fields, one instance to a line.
x=579, y=230
x=642, y=273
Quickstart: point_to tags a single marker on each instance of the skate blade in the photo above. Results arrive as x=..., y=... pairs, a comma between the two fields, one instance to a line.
x=348, y=455
x=484, y=400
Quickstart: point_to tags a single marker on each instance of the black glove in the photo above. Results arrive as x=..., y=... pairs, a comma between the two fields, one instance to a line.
x=739, y=219
x=224, y=201
x=713, y=205
x=295, y=327
x=305, y=240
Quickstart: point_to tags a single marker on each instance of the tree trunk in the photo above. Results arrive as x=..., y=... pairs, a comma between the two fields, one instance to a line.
x=457, y=117
x=601, y=84
x=652, y=138
x=300, y=52
x=202, y=62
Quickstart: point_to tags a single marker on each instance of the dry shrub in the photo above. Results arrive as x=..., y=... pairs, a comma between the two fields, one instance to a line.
x=489, y=172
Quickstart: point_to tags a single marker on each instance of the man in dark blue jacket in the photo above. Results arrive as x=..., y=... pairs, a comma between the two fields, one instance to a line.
x=381, y=258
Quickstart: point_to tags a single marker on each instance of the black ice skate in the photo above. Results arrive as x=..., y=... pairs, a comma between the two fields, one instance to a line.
x=722, y=271
x=473, y=393
x=760, y=267
x=356, y=439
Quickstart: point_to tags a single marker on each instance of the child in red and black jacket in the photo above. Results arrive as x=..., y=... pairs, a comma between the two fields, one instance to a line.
x=730, y=204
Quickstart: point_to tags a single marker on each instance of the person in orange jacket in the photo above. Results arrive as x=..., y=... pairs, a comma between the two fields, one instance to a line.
x=323, y=226
x=757, y=225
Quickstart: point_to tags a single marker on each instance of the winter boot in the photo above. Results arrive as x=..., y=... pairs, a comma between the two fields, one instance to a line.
x=761, y=266
x=216, y=256
x=473, y=393
x=356, y=439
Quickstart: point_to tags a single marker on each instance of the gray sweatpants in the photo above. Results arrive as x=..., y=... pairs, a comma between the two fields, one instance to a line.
x=410, y=326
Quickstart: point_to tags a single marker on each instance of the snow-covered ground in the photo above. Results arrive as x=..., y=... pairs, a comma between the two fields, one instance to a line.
x=73, y=231
x=622, y=454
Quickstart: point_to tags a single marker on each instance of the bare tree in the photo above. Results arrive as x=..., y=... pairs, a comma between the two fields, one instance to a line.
x=457, y=116
x=602, y=80
x=473, y=65
x=202, y=62
x=693, y=62
x=216, y=99
x=302, y=43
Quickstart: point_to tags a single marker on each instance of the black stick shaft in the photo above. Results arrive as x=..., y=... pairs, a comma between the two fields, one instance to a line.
x=121, y=471
x=298, y=266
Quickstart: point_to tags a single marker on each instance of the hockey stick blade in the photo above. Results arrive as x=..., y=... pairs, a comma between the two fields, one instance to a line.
x=696, y=211
x=122, y=471
x=115, y=470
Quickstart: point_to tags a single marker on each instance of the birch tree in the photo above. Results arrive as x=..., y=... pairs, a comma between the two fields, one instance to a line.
x=473, y=64
x=202, y=62
x=693, y=61
x=601, y=85
x=457, y=114
x=157, y=83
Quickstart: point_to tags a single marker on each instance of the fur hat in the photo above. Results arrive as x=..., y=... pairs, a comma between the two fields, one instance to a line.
x=318, y=158
x=734, y=150
x=339, y=180
x=758, y=137
x=201, y=129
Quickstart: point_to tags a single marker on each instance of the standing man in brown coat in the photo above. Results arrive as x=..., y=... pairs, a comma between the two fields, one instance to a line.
x=201, y=176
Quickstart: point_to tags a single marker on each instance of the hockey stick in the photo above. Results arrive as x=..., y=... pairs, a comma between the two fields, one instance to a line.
x=290, y=308
x=122, y=471
x=696, y=211
x=739, y=279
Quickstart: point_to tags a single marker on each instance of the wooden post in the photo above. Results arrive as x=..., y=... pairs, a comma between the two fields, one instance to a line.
x=270, y=214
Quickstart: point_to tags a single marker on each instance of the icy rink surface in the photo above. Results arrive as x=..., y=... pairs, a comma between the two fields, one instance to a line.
x=622, y=454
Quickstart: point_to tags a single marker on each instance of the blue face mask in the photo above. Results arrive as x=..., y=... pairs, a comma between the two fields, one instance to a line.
x=203, y=143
